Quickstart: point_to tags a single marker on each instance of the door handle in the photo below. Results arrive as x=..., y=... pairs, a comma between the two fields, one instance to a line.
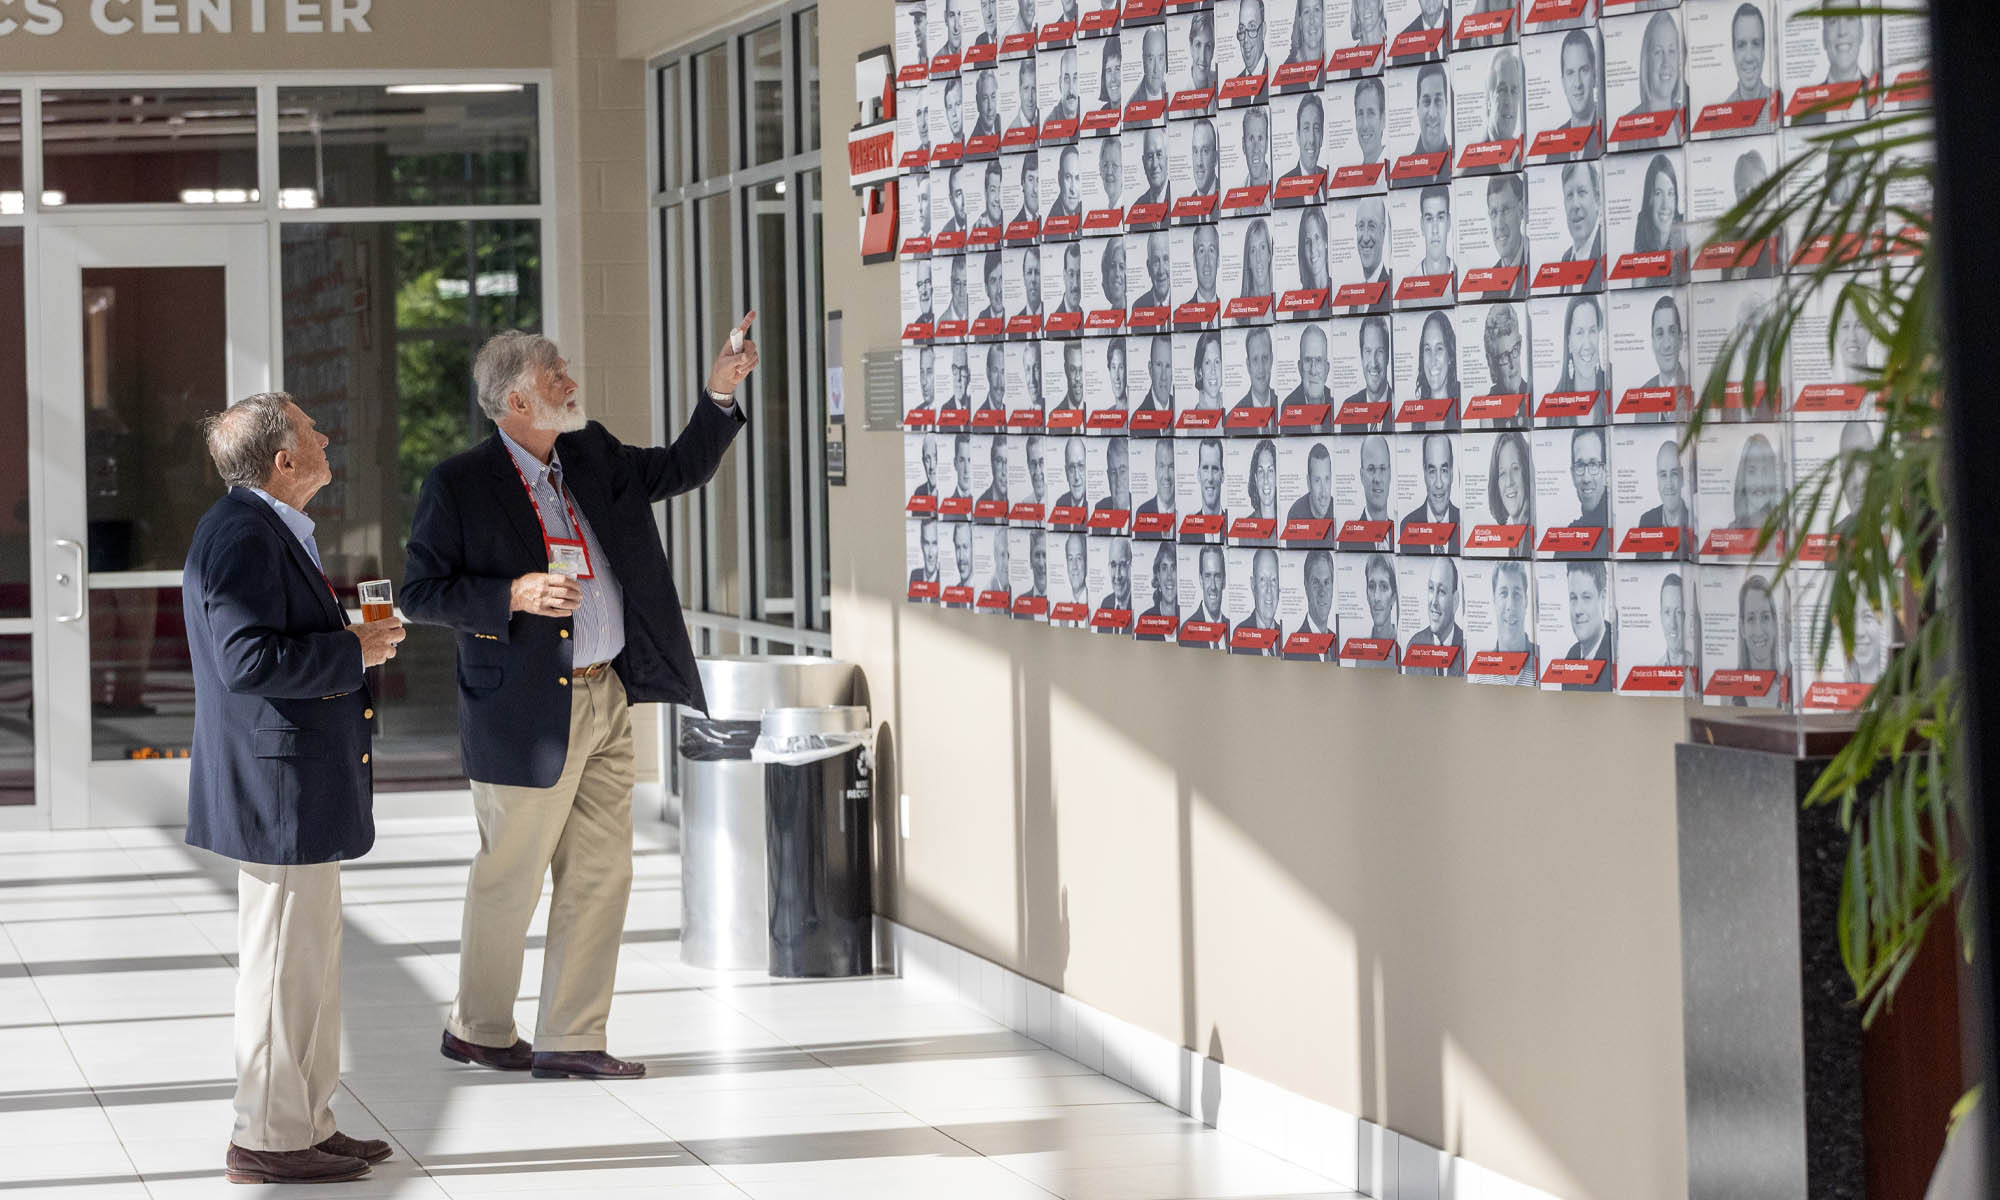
x=82, y=586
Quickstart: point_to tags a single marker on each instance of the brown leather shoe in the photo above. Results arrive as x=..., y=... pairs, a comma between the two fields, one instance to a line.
x=289, y=1166
x=517, y=1057
x=369, y=1150
x=585, y=1064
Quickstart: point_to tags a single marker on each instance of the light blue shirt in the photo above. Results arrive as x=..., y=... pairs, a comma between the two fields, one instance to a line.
x=300, y=524
x=599, y=621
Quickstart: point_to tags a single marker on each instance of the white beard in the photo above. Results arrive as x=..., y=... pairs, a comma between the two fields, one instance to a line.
x=550, y=418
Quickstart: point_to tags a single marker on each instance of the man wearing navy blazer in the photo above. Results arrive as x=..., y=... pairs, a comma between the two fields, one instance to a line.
x=279, y=780
x=538, y=547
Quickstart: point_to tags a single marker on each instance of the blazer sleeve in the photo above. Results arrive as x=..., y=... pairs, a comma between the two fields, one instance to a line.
x=663, y=471
x=437, y=589
x=243, y=601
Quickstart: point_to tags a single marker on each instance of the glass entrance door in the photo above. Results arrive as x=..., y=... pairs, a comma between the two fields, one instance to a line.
x=145, y=331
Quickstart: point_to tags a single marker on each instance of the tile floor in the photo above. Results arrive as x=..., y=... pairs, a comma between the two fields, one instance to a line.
x=117, y=952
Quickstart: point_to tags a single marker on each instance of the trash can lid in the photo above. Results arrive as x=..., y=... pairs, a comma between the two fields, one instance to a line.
x=835, y=718
x=742, y=686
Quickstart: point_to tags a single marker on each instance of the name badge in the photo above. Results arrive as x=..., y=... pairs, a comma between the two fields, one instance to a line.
x=567, y=557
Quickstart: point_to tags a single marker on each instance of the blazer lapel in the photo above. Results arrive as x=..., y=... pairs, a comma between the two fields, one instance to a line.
x=297, y=551
x=514, y=503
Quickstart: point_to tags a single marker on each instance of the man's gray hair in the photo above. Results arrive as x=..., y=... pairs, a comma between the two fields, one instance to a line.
x=244, y=439
x=503, y=361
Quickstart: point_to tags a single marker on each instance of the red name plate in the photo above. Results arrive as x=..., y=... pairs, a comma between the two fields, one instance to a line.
x=954, y=418
x=921, y=418
x=1358, y=175
x=1362, y=295
x=1104, y=218
x=1068, y=514
x=916, y=247
x=1652, y=264
x=1153, y=523
x=1429, y=533
x=1497, y=537
x=1309, y=529
x=1058, y=129
x=1911, y=87
x=1106, y=419
x=1253, y=529
x=1298, y=74
x=915, y=72
x=955, y=506
x=1366, y=533
x=1582, y=671
x=982, y=143
x=1151, y=420
x=1354, y=59
x=1203, y=419
x=1651, y=540
x=1157, y=625
x=1830, y=397
x=1489, y=154
x=1435, y=658
x=953, y=328
x=1567, y=404
x=1247, y=308
x=1026, y=513
x=1103, y=120
x=1304, y=416
x=1025, y=418
x=1298, y=187
x=1246, y=197
x=1655, y=679
x=1424, y=411
x=1189, y=208
x=1113, y=620
x=1152, y=316
x=922, y=505
x=1063, y=226
x=1201, y=633
x=1104, y=319
x=988, y=327
x=1024, y=324
x=1420, y=166
x=1249, y=418
x=1649, y=401
x=1571, y=140
x=1313, y=645
x=1823, y=98
x=1019, y=136
x=1243, y=87
x=1740, y=682
x=1151, y=213
x=981, y=53
x=1498, y=662
x=1063, y=322
x=1564, y=540
x=1201, y=525
x=1541, y=12
x=990, y=510
x=924, y=589
x=1140, y=10
x=1731, y=543
x=1249, y=637
x=1487, y=281
x=1719, y=256
x=947, y=152
x=994, y=601
x=1818, y=547
x=1193, y=100
x=1362, y=412
x=1836, y=697
x=1098, y=21
x=1424, y=287
x=1069, y=610
x=1497, y=406
x=1553, y=275
x=1141, y=112
x=1031, y=606
x=1734, y=114
x=1017, y=43
x=918, y=331
x=1640, y=127
x=1416, y=42
x=956, y=595
x=1057, y=31
x=1197, y=312
x=1110, y=518
x=1485, y=24
x=1369, y=649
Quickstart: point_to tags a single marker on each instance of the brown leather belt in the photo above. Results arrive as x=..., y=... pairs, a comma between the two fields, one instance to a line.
x=592, y=671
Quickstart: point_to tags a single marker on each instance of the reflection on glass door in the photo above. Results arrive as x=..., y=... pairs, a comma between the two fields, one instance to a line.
x=155, y=359
x=17, y=667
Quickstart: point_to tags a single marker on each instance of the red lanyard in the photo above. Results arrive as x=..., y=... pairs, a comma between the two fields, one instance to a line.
x=575, y=526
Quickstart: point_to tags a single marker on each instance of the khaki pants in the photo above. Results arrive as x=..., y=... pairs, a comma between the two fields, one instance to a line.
x=582, y=828
x=287, y=1004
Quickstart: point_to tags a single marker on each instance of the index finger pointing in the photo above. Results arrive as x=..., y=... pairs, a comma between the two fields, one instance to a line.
x=743, y=326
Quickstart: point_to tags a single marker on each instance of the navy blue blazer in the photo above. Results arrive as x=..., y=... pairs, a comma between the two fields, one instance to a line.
x=475, y=533
x=279, y=771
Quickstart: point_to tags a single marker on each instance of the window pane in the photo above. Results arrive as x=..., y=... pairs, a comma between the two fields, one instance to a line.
x=17, y=720
x=150, y=146
x=776, y=296
x=409, y=144
x=724, y=573
x=391, y=368
x=764, y=78
x=676, y=316
x=711, y=95
x=14, y=544
x=672, y=113
x=10, y=151
x=815, y=304
x=808, y=43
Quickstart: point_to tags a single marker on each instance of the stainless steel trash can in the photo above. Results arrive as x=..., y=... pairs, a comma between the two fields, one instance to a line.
x=725, y=908
x=818, y=821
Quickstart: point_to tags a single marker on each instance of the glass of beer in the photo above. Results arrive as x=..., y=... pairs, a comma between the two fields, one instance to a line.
x=377, y=599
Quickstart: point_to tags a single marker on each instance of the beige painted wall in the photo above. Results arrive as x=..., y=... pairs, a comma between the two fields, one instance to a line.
x=1352, y=886
x=404, y=34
